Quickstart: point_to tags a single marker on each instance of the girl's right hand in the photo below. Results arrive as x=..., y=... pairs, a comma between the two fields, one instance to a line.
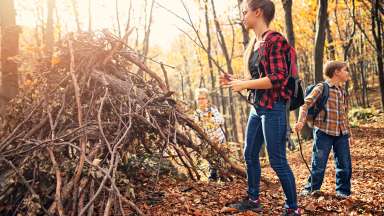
x=225, y=78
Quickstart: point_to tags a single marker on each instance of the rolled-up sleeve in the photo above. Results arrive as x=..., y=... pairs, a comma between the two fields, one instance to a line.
x=277, y=73
x=310, y=101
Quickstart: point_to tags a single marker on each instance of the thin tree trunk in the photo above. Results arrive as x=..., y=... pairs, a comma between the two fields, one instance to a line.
x=9, y=49
x=229, y=69
x=377, y=31
x=209, y=52
x=118, y=17
x=76, y=13
x=355, y=83
x=49, y=37
x=331, y=48
x=148, y=30
x=182, y=86
x=58, y=25
x=188, y=80
x=320, y=39
x=129, y=17
x=244, y=31
x=89, y=15
x=287, y=5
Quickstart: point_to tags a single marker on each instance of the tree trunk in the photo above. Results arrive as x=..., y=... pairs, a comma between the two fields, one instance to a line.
x=287, y=4
x=148, y=30
x=244, y=31
x=355, y=83
x=49, y=37
x=377, y=31
x=331, y=48
x=9, y=49
x=118, y=17
x=320, y=39
x=189, y=82
x=89, y=15
x=209, y=51
x=182, y=86
x=364, y=83
x=76, y=13
x=229, y=69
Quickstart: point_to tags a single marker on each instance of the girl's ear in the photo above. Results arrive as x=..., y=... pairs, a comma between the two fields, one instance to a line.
x=258, y=12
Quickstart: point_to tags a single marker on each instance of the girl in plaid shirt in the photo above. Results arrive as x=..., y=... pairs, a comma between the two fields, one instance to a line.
x=331, y=131
x=267, y=72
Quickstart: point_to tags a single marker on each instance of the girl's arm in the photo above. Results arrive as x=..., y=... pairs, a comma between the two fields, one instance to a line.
x=262, y=83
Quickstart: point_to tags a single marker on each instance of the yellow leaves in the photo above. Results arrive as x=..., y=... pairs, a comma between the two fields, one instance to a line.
x=55, y=60
x=228, y=210
x=28, y=83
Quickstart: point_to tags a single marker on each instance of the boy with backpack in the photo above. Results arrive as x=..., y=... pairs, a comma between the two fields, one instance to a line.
x=326, y=105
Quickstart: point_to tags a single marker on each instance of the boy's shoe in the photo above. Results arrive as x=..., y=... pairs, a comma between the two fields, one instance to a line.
x=306, y=192
x=247, y=205
x=292, y=212
x=341, y=195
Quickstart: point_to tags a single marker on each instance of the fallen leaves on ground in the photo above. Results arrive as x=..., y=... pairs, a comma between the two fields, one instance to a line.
x=207, y=198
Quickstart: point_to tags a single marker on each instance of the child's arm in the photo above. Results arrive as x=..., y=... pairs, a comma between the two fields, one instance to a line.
x=309, y=101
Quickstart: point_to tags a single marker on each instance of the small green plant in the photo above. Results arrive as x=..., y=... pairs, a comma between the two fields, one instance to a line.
x=359, y=114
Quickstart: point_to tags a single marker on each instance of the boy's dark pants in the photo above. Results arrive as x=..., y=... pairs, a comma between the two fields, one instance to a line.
x=321, y=147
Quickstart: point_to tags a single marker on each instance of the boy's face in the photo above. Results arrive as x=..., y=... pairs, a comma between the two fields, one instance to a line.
x=202, y=101
x=343, y=74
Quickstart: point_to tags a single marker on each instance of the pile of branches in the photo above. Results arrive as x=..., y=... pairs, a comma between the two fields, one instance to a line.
x=64, y=139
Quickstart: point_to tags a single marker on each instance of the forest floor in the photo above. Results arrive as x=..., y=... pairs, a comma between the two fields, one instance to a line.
x=173, y=197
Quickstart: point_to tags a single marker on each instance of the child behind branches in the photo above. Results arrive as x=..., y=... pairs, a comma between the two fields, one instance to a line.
x=211, y=120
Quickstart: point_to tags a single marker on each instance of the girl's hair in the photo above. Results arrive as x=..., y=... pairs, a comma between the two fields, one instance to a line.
x=202, y=91
x=331, y=66
x=268, y=8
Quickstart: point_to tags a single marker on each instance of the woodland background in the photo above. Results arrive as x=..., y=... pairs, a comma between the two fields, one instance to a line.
x=61, y=65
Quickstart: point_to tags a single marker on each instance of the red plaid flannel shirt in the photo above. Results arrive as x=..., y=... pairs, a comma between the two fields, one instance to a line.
x=274, y=49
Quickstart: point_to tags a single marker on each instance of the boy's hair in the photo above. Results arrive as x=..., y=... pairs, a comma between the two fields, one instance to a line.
x=202, y=91
x=331, y=66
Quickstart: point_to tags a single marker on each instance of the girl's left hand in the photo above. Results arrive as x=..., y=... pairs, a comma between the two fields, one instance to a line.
x=237, y=85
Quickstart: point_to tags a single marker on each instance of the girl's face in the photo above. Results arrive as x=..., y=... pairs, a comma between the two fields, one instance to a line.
x=250, y=18
x=343, y=74
x=202, y=101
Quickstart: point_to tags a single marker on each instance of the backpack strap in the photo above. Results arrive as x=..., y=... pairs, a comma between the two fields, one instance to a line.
x=323, y=100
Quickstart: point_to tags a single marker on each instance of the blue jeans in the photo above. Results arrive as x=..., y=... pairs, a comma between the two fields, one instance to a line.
x=269, y=127
x=321, y=147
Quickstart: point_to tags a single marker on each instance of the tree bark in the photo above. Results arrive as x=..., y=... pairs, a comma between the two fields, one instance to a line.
x=9, y=49
x=49, y=34
x=287, y=5
x=320, y=39
x=229, y=69
x=76, y=13
x=148, y=30
x=209, y=52
x=330, y=47
x=244, y=31
x=89, y=15
x=377, y=31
